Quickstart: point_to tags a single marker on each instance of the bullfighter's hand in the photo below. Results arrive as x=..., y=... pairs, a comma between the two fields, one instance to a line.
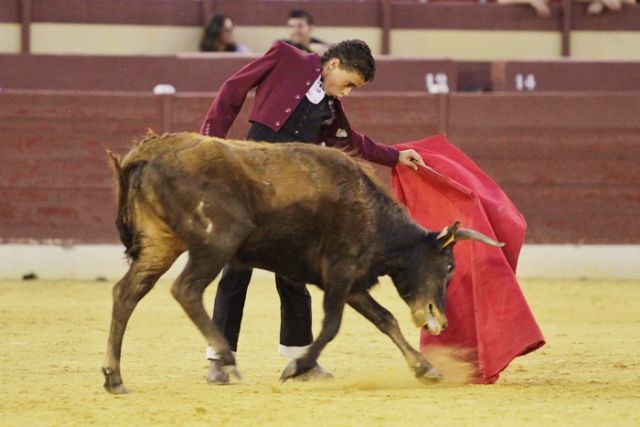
x=411, y=159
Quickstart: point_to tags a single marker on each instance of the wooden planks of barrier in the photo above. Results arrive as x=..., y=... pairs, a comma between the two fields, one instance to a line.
x=565, y=75
x=567, y=160
x=55, y=182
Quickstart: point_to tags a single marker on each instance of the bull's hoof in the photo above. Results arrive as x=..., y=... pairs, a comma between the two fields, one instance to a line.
x=300, y=370
x=220, y=374
x=112, y=384
x=216, y=375
x=317, y=373
x=289, y=371
x=119, y=389
x=432, y=376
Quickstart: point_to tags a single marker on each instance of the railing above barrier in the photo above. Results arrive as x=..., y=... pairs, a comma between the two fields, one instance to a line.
x=207, y=72
x=194, y=72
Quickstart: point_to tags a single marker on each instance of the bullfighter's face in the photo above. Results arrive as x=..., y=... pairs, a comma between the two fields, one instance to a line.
x=338, y=81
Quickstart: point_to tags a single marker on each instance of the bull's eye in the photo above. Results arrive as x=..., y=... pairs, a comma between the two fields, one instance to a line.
x=450, y=268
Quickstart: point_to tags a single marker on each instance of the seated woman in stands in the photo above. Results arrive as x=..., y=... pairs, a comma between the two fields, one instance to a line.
x=218, y=36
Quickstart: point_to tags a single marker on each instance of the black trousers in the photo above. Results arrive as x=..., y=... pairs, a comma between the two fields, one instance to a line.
x=295, y=307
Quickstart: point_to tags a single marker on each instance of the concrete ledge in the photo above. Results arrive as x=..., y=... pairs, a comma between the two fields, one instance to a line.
x=75, y=262
x=90, y=262
x=580, y=261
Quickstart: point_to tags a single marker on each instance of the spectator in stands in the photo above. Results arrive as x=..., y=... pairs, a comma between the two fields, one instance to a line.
x=595, y=6
x=300, y=25
x=218, y=36
x=298, y=98
x=541, y=6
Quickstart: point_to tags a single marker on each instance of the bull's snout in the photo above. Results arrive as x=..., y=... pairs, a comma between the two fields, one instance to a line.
x=430, y=319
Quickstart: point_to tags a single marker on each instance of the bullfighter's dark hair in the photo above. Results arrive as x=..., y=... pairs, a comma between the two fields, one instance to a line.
x=301, y=14
x=354, y=55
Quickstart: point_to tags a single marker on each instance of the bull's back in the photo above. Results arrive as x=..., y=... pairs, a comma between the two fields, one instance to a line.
x=265, y=178
x=276, y=176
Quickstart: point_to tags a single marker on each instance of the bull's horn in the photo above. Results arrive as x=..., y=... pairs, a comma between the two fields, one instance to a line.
x=468, y=234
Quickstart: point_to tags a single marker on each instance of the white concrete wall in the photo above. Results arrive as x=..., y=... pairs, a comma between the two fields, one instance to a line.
x=106, y=39
x=10, y=38
x=98, y=39
x=88, y=262
x=477, y=45
x=114, y=39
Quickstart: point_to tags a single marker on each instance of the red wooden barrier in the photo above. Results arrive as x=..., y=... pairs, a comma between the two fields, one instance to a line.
x=54, y=179
x=569, y=75
x=569, y=161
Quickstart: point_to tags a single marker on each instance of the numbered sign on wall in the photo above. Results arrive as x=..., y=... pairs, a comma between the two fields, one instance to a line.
x=437, y=83
x=525, y=82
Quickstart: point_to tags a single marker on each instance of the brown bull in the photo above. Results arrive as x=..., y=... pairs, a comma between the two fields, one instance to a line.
x=309, y=213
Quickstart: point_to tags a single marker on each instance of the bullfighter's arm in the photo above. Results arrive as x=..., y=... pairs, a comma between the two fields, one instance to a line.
x=381, y=154
x=227, y=104
x=372, y=151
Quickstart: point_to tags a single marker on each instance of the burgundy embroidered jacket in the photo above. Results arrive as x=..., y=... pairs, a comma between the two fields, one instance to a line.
x=282, y=77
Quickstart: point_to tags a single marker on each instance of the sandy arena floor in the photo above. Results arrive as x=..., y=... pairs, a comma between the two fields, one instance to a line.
x=53, y=336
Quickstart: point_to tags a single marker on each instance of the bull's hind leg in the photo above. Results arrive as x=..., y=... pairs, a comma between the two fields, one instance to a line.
x=364, y=304
x=203, y=266
x=153, y=261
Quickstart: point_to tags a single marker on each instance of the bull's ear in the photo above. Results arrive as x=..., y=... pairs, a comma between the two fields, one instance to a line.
x=448, y=235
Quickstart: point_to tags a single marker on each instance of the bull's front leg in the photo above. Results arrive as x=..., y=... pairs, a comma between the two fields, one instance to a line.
x=364, y=304
x=333, y=305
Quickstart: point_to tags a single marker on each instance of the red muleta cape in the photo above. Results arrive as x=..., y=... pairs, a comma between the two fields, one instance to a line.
x=489, y=318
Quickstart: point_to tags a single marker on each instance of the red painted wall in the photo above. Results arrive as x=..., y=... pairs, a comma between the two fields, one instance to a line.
x=569, y=161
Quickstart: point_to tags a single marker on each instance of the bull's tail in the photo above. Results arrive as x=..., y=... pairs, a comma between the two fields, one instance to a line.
x=123, y=219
